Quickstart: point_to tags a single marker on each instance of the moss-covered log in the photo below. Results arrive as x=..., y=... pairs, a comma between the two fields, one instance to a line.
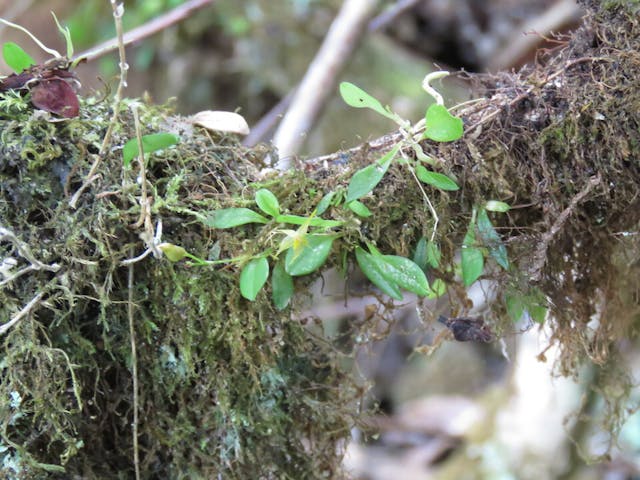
x=236, y=388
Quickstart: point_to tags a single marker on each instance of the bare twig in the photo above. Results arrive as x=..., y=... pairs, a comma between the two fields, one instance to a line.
x=150, y=28
x=540, y=256
x=561, y=13
x=22, y=313
x=134, y=373
x=118, y=11
x=320, y=78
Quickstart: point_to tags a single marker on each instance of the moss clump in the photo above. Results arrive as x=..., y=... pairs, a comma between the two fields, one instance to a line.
x=225, y=387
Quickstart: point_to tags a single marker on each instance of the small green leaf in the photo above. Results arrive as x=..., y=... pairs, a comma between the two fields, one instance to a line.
x=433, y=254
x=538, y=313
x=441, y=126
x=325, y=203
x=371, y=266
x=150, y=143
x=356, y=97
x=281, y=287
x=174, y=253
x=497, y=206
x=310, y=257
x=267, y=202
x=405, y=273
x=366, y=179
x=233, y=217
x=438, y=288
x=15, y=57
x=472, y=259
x=420, y=255
x=491, y=240
x=515, y=307
x=253, y=277
x=313, y=222
x=359, y=208
x=435, y=179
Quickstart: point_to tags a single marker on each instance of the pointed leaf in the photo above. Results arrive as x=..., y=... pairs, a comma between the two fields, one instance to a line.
x=371, y=266
x=311, y=257
x=406, y=274
x=441, y=126
x=150, y=143
x=472, y=259
x=325, y=203
x=433, y=254
x=253, y=277
x=359, y=209
x=232, y=217
x=174, y=253
x=16, y=58
x=356, y=97
x=365, y=180
x=491, y=240
x=437, y=180
x=420, y=255
x=267, y=202
x=281, y=287
x=313, y=222
x=497, y=206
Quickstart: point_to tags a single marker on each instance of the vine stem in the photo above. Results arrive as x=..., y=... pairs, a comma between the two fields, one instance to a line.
x=134, y=372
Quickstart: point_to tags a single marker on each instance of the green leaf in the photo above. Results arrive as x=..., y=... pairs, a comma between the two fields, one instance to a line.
x=232, y=217
x=372, y=267
x=356, y=97
x=310, y=257
x=359, y=208
x=515, y=307
x=433, y=254
x=174, y=253
x=325, y=203
x=314, y=222
x=441, y=126
x=405, y=273
x=496, y=206
x=253, y=277
x=281, y=287
x=15, y=57
x=437, y=180
x=472, y=259
x=491, y=240
x=150, y=143
x=538, y=313
x=438, y=288
x=366, y=179
x=420, y=255
x=267, y=202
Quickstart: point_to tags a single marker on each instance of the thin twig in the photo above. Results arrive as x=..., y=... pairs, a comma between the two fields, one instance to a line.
x=540, y=256
x=150, y=28
x=22, y=313
x=118, y=11
x=317, y=84
x=134, y=373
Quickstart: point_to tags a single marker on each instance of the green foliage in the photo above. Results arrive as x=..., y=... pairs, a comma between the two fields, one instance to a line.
x=253, y=277
x=150, y=143
x=282, y=286
x=359, y=209
x=491, y=239
x=267, y=202
x=472, y=258
x=16, y=58
x=441, y=126
x=435, y=179
x=233, y=217
x=390, y=273
x=356, y=97
x=366, y=179
x=310, y=257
